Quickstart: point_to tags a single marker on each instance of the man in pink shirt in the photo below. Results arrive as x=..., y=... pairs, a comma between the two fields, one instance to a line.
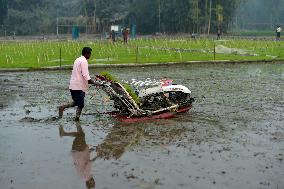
x=79, y=81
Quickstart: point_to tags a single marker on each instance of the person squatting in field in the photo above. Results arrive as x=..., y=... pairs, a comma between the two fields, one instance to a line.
x=79, y=81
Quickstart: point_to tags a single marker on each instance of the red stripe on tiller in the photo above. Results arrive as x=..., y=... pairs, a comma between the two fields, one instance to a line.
x=165, y=115
x=185, y=109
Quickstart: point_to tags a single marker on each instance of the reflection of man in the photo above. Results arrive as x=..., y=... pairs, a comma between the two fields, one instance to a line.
x=81, y=154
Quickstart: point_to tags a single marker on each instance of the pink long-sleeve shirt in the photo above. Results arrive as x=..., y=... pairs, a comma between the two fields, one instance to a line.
x=80, y=75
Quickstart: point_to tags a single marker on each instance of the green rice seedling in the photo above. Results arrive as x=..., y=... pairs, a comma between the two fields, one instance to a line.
x=128, y=88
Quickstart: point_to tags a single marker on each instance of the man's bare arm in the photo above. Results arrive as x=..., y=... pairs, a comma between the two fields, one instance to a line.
x=91, y=81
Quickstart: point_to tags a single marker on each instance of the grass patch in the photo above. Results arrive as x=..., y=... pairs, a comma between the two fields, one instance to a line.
x=36, y=54
x=253, y=33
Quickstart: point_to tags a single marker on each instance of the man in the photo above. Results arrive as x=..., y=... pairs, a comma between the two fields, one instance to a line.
x=113, y=35
x=79, y=81
x=125, y=35
x=278, y=30
x=218, y=34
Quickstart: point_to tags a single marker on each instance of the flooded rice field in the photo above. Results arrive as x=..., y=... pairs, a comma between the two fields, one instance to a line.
x=233, y=137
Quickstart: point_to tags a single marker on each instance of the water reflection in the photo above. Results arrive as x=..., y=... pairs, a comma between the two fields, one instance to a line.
x=124, y=136
x=80, y=154
x=162, y=136
x=119, y=137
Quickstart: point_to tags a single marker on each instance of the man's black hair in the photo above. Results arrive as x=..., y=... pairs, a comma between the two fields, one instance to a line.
x=86, y=50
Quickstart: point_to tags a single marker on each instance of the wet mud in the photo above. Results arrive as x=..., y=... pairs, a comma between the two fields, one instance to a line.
x=233, y=137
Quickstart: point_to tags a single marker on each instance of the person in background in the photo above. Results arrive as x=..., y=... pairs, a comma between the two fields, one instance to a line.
x=278, y=31
x=81, y=155
x=218, y=34
x=113, y=35
x=79, y=81
x=125, y=35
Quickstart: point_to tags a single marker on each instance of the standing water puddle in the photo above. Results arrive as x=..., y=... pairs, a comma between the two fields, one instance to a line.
x=233, y=137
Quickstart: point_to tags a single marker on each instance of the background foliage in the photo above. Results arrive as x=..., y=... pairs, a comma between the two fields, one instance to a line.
x=27, y=17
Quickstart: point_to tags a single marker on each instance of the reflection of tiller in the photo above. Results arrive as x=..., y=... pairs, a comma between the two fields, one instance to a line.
x=156, y=99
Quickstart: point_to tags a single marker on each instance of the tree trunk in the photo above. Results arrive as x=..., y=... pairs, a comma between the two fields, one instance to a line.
x=210, y=15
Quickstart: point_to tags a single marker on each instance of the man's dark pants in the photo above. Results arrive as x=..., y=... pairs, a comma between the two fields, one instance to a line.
x=78, y=97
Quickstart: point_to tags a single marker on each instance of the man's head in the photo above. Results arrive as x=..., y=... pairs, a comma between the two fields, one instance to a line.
x=86, y=52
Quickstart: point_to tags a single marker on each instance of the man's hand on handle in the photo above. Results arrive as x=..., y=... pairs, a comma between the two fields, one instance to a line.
x=96, y=83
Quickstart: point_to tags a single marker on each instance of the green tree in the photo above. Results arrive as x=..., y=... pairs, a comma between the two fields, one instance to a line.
x=219, y=15
x=3, y=11
x=28, y=16
x=194, y=15
x=150, y=16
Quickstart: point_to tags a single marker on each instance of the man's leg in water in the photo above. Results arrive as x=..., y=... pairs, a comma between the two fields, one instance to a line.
x=78, y=113
x=63, y=107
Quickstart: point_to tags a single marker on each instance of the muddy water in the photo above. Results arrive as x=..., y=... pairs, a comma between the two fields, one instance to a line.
x=232, y=138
